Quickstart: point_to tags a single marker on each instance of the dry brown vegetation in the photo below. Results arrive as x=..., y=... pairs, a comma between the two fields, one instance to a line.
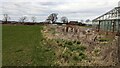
x=75, y=45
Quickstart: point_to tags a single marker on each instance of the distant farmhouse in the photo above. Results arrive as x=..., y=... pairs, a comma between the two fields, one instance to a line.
x=109, y=21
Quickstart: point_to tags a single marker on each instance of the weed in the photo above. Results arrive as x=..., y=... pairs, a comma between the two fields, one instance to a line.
x=103, y=39
x=78, y=42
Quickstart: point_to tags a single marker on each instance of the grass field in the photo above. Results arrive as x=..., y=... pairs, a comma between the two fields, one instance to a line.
x=29, y=46
x=24, y=46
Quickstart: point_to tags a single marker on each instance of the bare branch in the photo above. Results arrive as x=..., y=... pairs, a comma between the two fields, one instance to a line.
x=23, y=19
x=6, y=17
x=52, y=18
x=64, y=19
x=33, y=19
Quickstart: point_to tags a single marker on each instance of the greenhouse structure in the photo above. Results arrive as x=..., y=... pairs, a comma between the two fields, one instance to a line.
x=109, y=21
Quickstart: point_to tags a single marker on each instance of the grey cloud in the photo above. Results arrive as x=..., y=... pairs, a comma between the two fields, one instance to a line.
x=49, y=3
x=42, y=9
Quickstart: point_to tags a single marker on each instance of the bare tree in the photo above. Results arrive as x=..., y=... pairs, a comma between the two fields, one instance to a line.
x=33, y=19
x=64, y=19
x=81, y=21
x=52, y=18
x=23, y=19
x=6, y=18
x=88, y=20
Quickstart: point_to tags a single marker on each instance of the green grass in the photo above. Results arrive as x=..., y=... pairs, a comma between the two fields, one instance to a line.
x=24, y=46
x=75, y=51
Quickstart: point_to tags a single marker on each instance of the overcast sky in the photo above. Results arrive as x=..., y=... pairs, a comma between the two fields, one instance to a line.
x=73, y=9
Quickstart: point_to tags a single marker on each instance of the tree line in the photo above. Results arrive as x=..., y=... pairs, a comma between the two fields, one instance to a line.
x=52, y=18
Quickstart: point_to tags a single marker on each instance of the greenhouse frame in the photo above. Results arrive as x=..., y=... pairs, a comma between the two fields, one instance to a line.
x=109, y=21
